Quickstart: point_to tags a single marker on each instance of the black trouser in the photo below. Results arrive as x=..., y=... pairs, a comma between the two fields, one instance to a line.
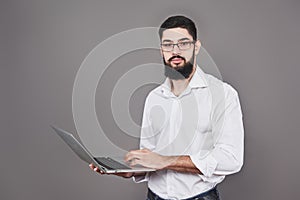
x=212, y=194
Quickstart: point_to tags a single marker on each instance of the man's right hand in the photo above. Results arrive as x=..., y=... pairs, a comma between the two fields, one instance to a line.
x=124, y=175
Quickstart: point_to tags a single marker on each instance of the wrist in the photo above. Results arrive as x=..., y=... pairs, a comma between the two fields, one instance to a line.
x=168, y=161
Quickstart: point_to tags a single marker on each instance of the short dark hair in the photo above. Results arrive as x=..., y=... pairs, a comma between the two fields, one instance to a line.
x=179, y=21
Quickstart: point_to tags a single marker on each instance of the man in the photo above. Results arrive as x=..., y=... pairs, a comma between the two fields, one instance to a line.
x=192, y=130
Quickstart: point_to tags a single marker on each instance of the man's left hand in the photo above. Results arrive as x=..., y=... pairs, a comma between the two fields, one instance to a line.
x=147, y=158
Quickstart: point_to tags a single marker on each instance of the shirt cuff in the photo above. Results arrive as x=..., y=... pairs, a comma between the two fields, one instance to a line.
x=206, y=165
x=141, y=178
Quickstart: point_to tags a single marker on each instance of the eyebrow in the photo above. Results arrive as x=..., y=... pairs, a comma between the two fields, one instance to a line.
x=180, y=40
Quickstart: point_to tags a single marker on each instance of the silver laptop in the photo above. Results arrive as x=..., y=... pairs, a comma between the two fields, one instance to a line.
x=108, y=165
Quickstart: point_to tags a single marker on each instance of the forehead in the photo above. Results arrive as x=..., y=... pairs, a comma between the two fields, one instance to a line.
x=175, y=34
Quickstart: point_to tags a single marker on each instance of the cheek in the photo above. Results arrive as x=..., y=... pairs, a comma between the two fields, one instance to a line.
x=188, y=56
x=166, y=56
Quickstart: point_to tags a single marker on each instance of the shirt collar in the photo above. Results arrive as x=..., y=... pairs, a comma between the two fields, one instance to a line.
x=198, y=80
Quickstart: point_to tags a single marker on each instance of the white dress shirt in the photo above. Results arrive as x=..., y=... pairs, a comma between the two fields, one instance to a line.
x=203, y=122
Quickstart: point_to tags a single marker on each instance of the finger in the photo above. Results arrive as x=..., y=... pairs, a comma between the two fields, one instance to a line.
x=132, y=162
x=125, y=175
x=96, y=169
x=136, y=162
x=130, y=154
x=145, y=150
x=91, y=166
x=137, y=154
x=130, y=158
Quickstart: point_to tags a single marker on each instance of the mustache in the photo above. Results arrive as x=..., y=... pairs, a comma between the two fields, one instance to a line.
x=170, y=59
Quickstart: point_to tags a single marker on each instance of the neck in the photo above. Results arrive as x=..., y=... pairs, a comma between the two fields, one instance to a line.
x=178, y=86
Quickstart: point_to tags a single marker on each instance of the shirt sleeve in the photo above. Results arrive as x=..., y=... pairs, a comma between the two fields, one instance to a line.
x=147, y=138
x=226, y=157
x=141, y=178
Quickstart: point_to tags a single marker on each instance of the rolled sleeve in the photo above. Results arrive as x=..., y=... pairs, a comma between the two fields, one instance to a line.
x=206, y=165
x=141, y=178
x=226, y=156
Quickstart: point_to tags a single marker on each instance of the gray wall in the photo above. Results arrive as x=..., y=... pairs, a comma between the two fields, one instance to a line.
x=255, y=44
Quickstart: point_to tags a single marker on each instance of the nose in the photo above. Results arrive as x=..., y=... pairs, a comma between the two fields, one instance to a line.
x=176, y=50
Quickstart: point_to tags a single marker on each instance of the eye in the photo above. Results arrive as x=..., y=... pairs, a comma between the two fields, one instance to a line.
x=167, y=45
x=184, y=43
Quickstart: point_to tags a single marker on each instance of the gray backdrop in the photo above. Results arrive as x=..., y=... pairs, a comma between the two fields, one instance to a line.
x=254, y=43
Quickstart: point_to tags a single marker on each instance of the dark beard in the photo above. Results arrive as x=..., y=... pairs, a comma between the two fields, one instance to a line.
x=179, y=73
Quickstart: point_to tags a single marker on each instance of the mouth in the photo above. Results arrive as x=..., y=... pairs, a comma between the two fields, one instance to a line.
x=176, y=60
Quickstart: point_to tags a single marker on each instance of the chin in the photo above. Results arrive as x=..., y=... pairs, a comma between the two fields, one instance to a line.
x=178, y=66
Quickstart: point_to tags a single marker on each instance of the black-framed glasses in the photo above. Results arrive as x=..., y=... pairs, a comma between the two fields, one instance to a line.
x=185, y=45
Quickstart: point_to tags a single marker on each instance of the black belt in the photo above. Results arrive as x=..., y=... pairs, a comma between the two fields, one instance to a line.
x=211, y=194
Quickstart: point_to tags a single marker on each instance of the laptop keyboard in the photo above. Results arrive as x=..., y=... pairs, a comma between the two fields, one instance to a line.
x=110, y=163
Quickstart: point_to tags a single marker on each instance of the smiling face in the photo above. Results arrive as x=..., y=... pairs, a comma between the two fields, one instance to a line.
x=179, y=51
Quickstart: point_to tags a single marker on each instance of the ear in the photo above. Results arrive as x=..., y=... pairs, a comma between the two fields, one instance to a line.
x=197, y=47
